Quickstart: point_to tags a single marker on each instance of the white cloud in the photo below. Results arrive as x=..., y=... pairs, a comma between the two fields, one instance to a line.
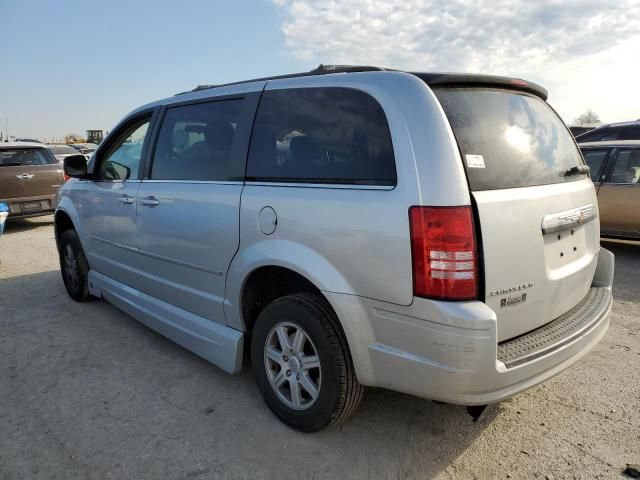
x=562, y=44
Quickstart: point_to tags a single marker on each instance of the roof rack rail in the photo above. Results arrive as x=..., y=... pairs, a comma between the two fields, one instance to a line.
x=319, y=70
x=433, y=79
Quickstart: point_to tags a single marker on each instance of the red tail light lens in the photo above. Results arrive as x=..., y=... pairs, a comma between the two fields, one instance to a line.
x=445, y=263
x=66, y=177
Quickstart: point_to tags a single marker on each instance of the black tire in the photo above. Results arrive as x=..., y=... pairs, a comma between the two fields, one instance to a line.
x=339, y=393
x=74, y=267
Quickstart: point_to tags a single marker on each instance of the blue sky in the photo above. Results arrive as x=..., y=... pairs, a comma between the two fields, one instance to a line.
x=67, y=66
x=73, y=65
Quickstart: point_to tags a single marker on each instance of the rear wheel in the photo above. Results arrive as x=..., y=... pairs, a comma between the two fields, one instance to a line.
x=74, y=266
x=302, y=363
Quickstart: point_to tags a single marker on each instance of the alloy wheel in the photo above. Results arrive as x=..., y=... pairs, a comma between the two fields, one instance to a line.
x=293, y=365
x=71, y=270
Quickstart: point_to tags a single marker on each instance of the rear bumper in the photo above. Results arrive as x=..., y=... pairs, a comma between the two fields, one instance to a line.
x=449, y=351
x=47, y=205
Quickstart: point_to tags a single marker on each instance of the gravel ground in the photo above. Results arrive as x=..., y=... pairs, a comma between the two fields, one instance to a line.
x=87, y=392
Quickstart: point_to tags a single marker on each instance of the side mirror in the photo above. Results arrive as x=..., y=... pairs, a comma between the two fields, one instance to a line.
x=75, y=166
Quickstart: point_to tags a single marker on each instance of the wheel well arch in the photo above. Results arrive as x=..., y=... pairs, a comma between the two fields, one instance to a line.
x=62, y=223
x=264, y=285
x=267, y=283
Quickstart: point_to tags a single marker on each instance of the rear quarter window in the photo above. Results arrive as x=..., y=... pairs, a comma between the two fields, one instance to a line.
x=508, y=139
x=321, y=135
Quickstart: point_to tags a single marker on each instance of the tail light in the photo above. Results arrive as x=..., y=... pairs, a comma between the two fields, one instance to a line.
x=443, y=245
x=66, y=177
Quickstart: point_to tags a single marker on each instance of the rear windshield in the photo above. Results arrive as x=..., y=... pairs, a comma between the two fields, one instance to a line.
x=610, y=133
x=25, y=156
x=508, y=139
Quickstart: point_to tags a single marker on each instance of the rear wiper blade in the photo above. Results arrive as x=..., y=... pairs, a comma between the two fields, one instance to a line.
x=11, y=164
x=577, y=169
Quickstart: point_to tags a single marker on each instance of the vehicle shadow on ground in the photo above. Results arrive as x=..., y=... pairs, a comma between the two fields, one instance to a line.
x=105, y=385
x=22, y=224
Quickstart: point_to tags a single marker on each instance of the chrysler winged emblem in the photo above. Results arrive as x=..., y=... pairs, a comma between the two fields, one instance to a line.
x=25, y=176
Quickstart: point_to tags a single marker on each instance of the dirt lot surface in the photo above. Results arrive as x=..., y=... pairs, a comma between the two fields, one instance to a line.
x=87, y=392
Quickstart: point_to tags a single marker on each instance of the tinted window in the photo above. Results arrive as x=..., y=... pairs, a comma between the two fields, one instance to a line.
x=25, y=156
x=595, y=159
x=630, y=133
x=321, y=135
x=596, y=135
x=508, y=139
x=610, y=133
x=122, y=161
x=626, y=168
x=195, y=142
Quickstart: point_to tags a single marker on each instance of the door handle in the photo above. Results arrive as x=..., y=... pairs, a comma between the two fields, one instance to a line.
x=150, y=201
x=125, y=199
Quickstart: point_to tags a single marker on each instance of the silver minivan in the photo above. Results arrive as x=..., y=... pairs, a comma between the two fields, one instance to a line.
x=433, y=234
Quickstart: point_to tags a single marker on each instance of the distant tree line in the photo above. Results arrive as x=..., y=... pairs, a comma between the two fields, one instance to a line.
x=587, y=118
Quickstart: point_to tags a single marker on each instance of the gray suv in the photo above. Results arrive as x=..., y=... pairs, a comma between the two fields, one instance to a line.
x=433, y=234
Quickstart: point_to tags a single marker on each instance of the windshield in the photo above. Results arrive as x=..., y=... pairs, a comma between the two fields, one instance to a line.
x=508, y=139
x=24, y=156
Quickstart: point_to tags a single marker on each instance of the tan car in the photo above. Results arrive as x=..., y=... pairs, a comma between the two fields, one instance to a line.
x=30, y=177
x=615, y=170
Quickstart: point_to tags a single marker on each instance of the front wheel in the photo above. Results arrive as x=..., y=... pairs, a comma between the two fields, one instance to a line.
x=74, y=266
x=302, y=364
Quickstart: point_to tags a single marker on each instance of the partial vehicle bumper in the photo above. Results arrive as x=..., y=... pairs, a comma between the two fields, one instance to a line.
x=449, y=351
x=31, y=206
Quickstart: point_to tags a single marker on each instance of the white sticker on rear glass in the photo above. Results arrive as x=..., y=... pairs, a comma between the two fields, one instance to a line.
x=475, y=161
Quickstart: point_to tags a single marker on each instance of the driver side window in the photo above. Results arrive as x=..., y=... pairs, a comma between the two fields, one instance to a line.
x=122, y=161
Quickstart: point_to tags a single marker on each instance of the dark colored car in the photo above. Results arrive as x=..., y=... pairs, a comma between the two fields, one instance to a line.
x=62, y=151
x=30, y=176
x=615, y=170
x=612, y=131
x=580, y=129
x=85, y=148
